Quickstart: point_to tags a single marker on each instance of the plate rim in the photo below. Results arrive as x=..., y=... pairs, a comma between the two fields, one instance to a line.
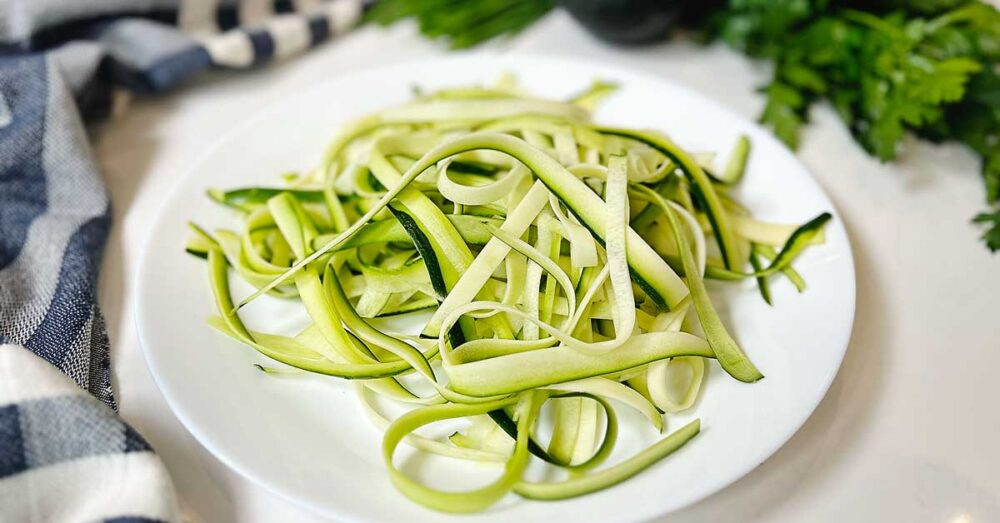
x=346, y=514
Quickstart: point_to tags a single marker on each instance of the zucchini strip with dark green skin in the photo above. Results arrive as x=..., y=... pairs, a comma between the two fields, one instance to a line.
x=729, y=354
x=247, y=198
x=474, y=230
x=502, y=418
x=650, y=212
x=366, y=332
x=462, y=331
x=780, y=261
x=793, y=275
x=219, y=282
x=452, y=255
x=578, y=486
x=509, y=426
x=762, y=285
x=527, y=404
x=701, y=185
x=798, y=241
x=526, y=370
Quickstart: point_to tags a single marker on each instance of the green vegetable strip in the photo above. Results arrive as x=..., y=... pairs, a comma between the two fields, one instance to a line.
x=762, y=284
x=801, y=238
x=461, y=502
x=705, y=192
x=515, y=271
x=622, y=298
x=454, y=255
x=551, y=268
x=479, y=271
x=531, y=296
x=769, y=254
x=657, y=378
x=737, y=164
x=587, y=454
x=338, y=216
x=291, y=220
x=553, y=274
x=196, y=246
x=465, y=329
x=798, y=241
x=610, y=389
x=484, y=434
x=472, y=229
x=649, y=213
x=584, y=455
x=729, y=354
x=594, y=95
x=232, y=325
x=230, y=245
x=613, y=475
x=439, y=232
x=506, y=423
x=583, y=248
x=482, y=349
x=369, y=334
x=246, y=199
x=482, y=194
x=326, y=318
x=472, y=111
x=526, y=370
x=426, y=444
x=567, y=413
x=772, y=234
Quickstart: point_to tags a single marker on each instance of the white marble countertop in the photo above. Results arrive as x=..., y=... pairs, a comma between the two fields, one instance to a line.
x=907, y=432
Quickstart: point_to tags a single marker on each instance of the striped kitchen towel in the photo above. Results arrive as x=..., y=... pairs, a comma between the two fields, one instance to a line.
x=152, y=45
x=63, y=455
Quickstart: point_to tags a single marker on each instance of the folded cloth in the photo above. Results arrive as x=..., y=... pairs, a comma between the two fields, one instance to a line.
x=54, y=218
x=152, y=45
x=63, y=456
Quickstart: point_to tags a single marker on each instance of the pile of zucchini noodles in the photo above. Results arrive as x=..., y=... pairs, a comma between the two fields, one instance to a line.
x=561, y=264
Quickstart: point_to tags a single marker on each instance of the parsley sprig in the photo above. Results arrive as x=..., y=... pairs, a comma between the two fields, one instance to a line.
x=927, y=67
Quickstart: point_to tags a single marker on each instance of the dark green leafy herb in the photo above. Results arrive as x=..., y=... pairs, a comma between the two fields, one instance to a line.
x=992, y=234
x=929, y=67
x=464, y=23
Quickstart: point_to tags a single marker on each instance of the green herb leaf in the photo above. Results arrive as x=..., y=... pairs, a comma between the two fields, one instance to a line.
x=992, y=234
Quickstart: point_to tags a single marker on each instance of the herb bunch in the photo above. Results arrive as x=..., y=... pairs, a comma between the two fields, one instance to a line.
x=928, y=67
x=463, y=23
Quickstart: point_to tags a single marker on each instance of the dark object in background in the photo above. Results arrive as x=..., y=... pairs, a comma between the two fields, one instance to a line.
x=628, y=22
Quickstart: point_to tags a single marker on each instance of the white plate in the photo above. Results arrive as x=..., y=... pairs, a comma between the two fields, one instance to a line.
x=307, y=439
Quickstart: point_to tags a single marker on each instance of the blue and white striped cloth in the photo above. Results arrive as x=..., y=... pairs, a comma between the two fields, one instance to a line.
x=64, y=454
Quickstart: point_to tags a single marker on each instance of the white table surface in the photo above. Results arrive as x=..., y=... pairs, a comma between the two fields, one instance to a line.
x=909, y=429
